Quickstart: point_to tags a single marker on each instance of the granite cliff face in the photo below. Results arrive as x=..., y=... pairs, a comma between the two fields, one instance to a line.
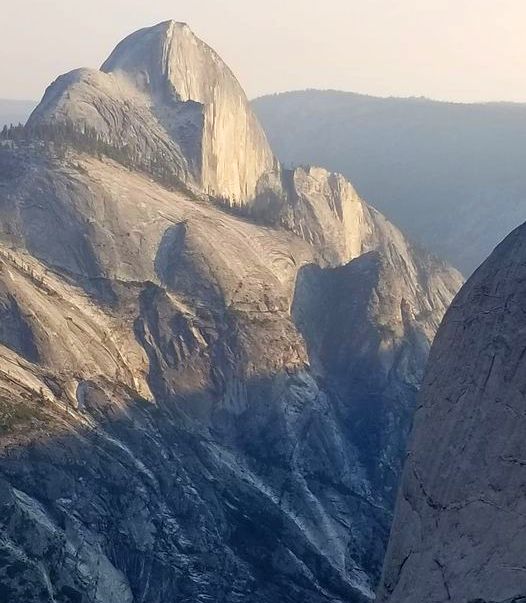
x=168, y=97
x=196, y=405
x=459, y=529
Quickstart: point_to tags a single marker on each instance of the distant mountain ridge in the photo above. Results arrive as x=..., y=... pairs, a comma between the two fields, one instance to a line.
x=450, y=174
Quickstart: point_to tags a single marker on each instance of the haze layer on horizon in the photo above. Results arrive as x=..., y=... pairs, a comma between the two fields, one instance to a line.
x=458, y=50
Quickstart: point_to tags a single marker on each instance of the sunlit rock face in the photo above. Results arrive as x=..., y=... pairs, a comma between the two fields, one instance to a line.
x=167, y=95
x=459, y=529
x=197, y=405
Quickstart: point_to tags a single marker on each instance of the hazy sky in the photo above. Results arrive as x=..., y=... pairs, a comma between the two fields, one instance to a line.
x=447, y=49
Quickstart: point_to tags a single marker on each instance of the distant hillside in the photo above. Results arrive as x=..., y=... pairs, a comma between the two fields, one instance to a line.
x=15, y=111
x=452, y=175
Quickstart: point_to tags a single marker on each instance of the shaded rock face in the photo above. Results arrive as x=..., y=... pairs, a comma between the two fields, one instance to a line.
x=194, y=405
x=376, y=370
x=459, y=531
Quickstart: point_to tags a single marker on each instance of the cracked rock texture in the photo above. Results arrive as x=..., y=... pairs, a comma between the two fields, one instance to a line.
x=459, y=531
x=195, y=405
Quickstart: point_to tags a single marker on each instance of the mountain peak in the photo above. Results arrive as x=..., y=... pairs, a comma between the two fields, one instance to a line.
x=154, y=55
x=146, y=40
x=166, y=96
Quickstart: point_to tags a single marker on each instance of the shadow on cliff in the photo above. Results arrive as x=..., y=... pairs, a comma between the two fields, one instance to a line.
x=182, y=509
x=333, y=308
x=230, y=486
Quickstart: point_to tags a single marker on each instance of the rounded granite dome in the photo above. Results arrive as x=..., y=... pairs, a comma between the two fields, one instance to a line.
x=165, y=93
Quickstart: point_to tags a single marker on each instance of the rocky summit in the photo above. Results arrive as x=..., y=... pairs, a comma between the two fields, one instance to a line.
x=208, y=363
x=459, y=531
x=168, y=97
